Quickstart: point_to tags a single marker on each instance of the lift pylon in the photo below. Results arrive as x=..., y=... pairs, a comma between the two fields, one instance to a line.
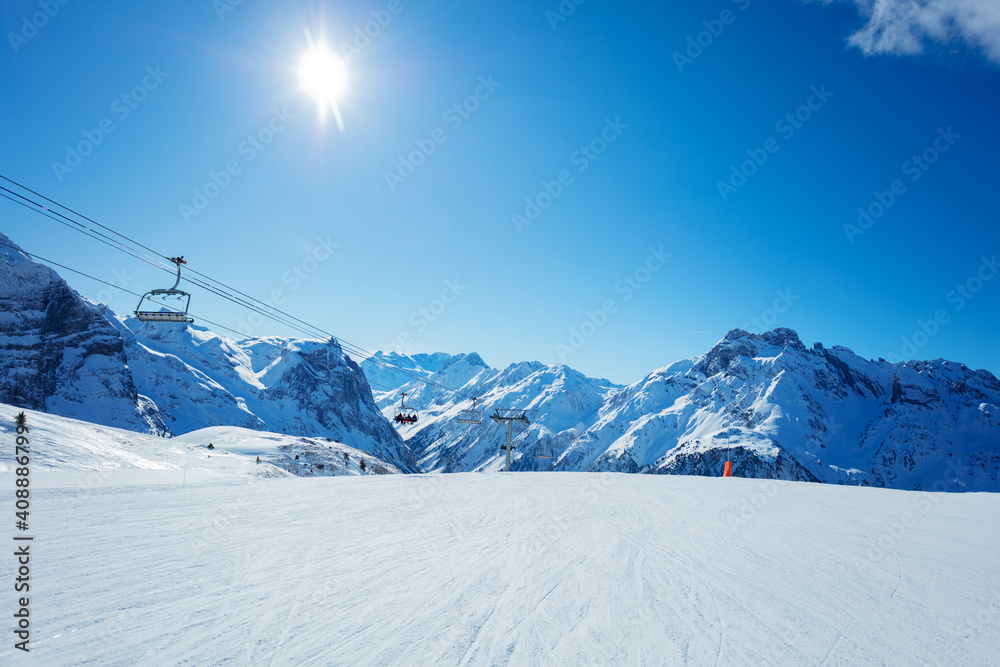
x=509, y=416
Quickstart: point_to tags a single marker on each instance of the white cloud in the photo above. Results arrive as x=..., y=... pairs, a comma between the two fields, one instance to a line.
x=905, y=26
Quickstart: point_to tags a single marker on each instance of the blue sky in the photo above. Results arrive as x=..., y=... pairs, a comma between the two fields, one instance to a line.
x=638, y=260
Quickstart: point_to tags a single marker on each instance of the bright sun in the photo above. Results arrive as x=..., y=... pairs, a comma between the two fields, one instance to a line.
x=324, y=75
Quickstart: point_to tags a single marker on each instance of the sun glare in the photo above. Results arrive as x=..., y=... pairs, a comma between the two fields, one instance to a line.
x=324, y=76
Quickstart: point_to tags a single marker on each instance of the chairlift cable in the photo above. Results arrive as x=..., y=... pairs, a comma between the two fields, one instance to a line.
x=106, y=240
x=104, y=282
x=117, y=245
x=77, y=226
x=62, y=206
x=103, y=238
x=47, y=212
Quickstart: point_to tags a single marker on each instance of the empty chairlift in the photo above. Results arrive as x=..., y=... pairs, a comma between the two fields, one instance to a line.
x=471, y=416
x=152, y=298
x=545, y=451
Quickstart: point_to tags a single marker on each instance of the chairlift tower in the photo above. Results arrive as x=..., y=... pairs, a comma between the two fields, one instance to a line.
x=727, y=470
x=509, y=416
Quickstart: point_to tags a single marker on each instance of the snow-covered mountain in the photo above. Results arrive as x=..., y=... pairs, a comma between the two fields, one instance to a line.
x=562, y=403
x=780, y=410
x=60, y=353
x=766, y=402
x=774, y=407
x=69, y=356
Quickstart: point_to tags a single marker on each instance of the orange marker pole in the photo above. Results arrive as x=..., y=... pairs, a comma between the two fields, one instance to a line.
x=728, y=472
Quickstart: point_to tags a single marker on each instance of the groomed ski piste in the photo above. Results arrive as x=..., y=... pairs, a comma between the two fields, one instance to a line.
x=147, y=552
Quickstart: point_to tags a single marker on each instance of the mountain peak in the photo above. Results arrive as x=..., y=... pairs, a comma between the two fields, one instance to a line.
x=739, y=343
x=784, y=337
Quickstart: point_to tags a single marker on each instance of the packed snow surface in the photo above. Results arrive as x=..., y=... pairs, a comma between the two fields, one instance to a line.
x=532, y=568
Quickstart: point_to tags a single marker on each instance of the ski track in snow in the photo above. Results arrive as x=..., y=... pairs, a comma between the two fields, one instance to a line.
x=490, y=569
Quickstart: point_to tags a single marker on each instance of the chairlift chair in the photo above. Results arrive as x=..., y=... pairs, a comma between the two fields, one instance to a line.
x=545, y=452
x=471, y=416
x=405, y=414
x=177, y=316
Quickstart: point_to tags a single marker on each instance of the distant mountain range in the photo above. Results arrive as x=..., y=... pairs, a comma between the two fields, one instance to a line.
x=774, y=407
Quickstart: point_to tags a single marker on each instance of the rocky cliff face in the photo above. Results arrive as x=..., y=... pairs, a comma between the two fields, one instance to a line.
x=60, y=353
x=69, y=356
x=284, y=385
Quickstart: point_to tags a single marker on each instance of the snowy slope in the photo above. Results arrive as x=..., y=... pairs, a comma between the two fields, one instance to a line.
x=775, y=408
x=89, y=455
x=521, y=569
x=312, y=457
